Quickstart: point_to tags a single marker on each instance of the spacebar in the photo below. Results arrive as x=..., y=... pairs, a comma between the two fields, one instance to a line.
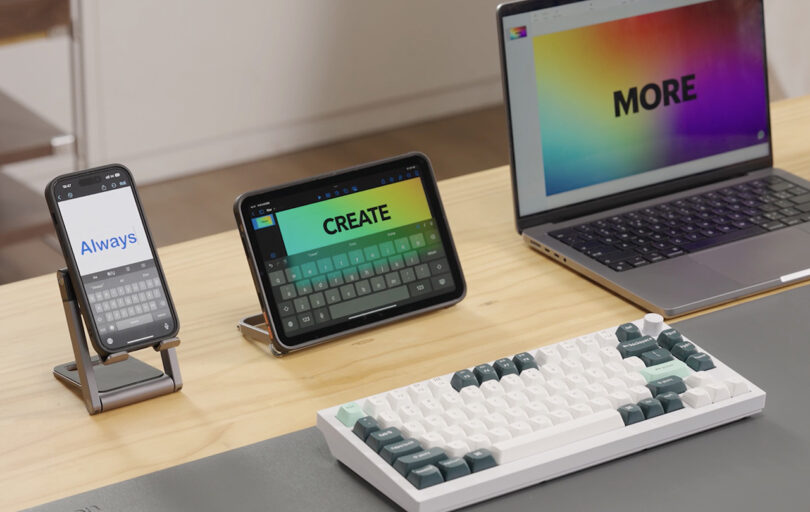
x=367, y=302
x=723, y=239
x=557, y=436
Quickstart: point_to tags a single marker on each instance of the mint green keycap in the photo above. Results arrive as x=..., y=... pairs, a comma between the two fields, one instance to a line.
x=674, y=367
x=348, y=414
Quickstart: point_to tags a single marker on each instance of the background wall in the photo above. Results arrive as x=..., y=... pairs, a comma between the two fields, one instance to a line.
x=179, y=86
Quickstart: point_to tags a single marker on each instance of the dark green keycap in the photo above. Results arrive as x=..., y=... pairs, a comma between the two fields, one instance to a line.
x=657, y=356
x=524, y=361
x=408, y=463
x=364, y=427
x=425, y=476
x=376, y=440
x=504, y=366
x=631, y=413
x=683, y=350
x=651, y=408
x=484, y=372
x=666, y=384
x=627, y=332
x=668, y=338
x=393, y=451
x=670, y=401
x=463, y=378
x=453, y=468
x=480, y=460
x=636, y=347
x=700, y=362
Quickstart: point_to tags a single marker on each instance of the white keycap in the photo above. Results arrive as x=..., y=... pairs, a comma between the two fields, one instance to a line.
x=453, y=432
x=535, y=393
x=430, y=406
x=475, y=410
x=610, y=354
x=434, y=423
x=560, y=416
x=419, y=391
x=595, y=375
x=614, y=384
x=431, y=440
x=639, y=393
x=492, y=388
x=652, y=325
x=588, y=343
x=614, y=369
x=471, y=395
x=552, y=371
x=532, y=377
x=569, y=349
x=633, y=364
x=478, y=442
x=540, y=422
x=474, y=427
x=547, y=355
x=600, y=404
x=512, y=383
x=451, y=399
x=591, y=360
x=556, y=386
x=439, y=385
x=555, y=402
x=519, y=428
x=455, y=416
x=535, y=408
x=516, y=399
x=736, y=385
x=515, y=414
x=633, y=379
x=409, y=412
x=412, y=429
x=388, y=419
x=457, y=448
x=699, y=379
x=558, y=435
x=619, y=398
x=717, y=391
x=576, y=381
x=580, y=410
x=397, y=398
x=375, y=405
x=696, y=397
x=607, y=337
x=576, y=396
x=571, y=366
x=496, y=404
x=498, y=434
x=595, y=390
x=494, y=419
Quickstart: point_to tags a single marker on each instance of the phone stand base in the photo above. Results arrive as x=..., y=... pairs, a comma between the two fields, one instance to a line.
x=119, y=379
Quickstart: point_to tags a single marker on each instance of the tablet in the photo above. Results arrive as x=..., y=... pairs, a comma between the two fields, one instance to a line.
x=349, y=250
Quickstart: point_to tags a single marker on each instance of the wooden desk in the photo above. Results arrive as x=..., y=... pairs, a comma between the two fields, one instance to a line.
x=235, y=393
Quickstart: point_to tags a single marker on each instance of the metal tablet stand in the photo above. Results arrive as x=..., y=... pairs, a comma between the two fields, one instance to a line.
x=254, y=328
x=119, y=379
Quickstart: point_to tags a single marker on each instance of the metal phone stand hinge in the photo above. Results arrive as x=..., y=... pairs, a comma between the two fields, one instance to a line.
x=119, y=379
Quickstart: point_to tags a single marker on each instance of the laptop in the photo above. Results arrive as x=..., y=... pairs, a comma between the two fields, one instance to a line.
x=641, y=149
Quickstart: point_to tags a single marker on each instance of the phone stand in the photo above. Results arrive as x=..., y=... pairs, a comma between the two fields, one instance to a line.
x=119, y=379
x=254, y=328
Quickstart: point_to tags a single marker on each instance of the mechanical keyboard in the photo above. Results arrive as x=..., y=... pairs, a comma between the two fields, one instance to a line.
x=480, y=432
x=695, y=223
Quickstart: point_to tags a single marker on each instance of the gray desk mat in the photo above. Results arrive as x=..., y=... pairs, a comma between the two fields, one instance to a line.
x=759, y=463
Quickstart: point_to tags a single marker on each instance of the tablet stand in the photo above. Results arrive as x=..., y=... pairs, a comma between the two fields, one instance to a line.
x=118, y=379
x=254, y=328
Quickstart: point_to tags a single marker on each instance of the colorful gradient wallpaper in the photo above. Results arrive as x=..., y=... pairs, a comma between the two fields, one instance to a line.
x=584, y=142
x=302, y=228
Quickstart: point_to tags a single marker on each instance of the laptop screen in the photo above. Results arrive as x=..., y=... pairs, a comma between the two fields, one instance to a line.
x=612, y=95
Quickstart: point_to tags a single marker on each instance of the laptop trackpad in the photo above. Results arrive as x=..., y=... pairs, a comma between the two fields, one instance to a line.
x=761, y=258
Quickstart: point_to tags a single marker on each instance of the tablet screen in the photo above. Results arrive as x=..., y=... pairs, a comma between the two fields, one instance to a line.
x=352, y=248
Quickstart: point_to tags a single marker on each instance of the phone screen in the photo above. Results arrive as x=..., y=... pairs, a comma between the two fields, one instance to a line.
x=126, y=297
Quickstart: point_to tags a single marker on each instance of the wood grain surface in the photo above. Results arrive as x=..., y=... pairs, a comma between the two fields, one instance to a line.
x=235, y=393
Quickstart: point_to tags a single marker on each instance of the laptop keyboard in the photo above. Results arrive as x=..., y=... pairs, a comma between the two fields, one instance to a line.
x=691, y=224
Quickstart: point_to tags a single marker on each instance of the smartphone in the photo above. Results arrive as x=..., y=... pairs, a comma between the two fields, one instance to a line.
x=118, y=280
